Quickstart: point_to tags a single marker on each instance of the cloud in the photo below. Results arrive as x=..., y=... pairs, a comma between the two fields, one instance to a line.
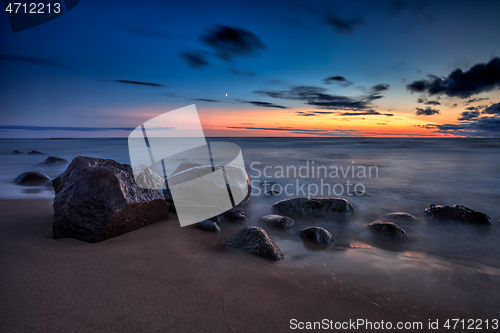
x=231, y=42
x=468, y=115
x=427, y=112
x=195, y=59
x=318, y=97
x=62, y=128
x=476, y=100
x=341, y=25
x=334, y=132
x=476, y=127
x=366, y=113
x=493, y=109
x=313, y=113
x=147, y=32
x=140, y=83
x=479, y=78
x=206, y=100
x=380, y=87
x=31, y=60
x=340, y=79
x=237, y=72
x=263, y=104
x=426, y=102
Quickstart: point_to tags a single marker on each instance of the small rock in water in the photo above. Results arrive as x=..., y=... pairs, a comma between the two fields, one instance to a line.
x=317, y=235
x=257, y=242
x=208, y=225
x=316, y=207
x=185, y=166
x=399, y=217
x=35, y=152
x=16, y=152
x=232, y=216
x=32, y=178
x=272, y=193
x=389, y=229
x=456, y=213
x=51, y=160
x=277, y=221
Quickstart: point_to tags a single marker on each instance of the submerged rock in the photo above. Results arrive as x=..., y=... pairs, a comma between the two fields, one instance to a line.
x=316, y=207
x=277, y=221
x=272, y=193
x=456, y=213
x=97, y=199
x=16, y=152
x=399, y=217
x=388, y=229
x=32, y=178
x=256, y=241
x=206, y=185
x=35, y=152
x=51, y=160
x=185, y=166
x=317, y=235
x=208, y=225
x=232, y=216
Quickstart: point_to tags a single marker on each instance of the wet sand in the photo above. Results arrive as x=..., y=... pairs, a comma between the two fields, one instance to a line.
x=172, y=279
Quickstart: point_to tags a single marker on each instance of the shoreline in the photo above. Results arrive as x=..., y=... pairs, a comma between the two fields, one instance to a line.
x=164, y=277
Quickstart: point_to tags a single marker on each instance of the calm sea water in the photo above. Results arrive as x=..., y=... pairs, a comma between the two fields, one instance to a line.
x=406, y=175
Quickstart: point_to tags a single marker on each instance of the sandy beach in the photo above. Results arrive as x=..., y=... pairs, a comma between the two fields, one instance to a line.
x=172, y=279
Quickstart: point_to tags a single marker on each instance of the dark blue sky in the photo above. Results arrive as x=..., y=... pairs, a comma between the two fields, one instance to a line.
x=116, y=64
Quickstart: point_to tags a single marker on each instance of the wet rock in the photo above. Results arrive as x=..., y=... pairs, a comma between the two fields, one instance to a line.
x=32, y=178
x=96, y=199
x=207, y=185
x=337, y=208
x=389, y=230
x=399, y=217
x=51, y=160
x=317, y=235
x=185, y=166
x=35, y=152
x=232, y=216
x=277, y=221
x=272, y=193
x=456, y=213
x=256, y=241
x=16, y=152
x=208, y=225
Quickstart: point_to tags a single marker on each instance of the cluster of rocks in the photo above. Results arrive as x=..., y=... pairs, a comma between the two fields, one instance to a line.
x=96, y=199
x=37, y=178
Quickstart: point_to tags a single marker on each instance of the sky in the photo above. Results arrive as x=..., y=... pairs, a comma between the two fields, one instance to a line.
x=395, y=68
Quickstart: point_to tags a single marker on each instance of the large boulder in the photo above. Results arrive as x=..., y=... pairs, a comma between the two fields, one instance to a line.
x=256, y=241
x=97, y=199
x=51, y=160
x=317, y=235
x=277, y=221
x=32, y=178
x=337, y=208
x=399, y=217
x=456, y=213
x=35, y=152
x=388, y=230
x=16, y=152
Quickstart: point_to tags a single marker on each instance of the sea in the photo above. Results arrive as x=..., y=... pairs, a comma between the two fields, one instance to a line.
x=378, y=176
